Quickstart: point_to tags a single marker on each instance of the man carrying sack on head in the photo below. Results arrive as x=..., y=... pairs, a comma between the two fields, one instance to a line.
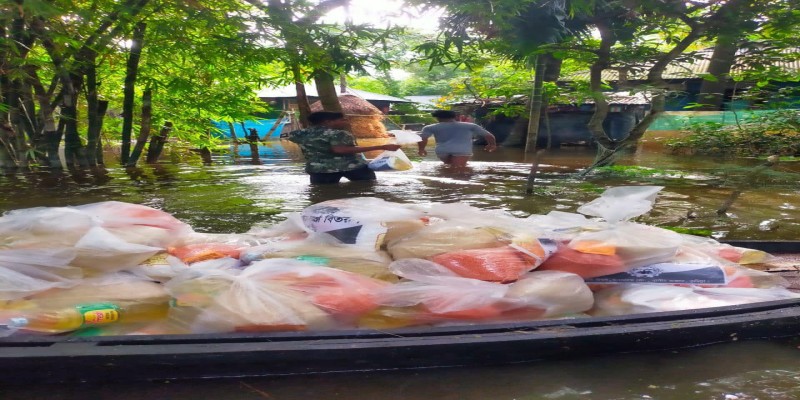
x=331, y=152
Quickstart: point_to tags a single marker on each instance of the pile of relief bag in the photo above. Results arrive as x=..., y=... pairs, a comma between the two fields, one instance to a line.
x=115, y=268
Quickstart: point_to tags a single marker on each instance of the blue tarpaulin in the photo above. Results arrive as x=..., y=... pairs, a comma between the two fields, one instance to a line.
x=262, y=126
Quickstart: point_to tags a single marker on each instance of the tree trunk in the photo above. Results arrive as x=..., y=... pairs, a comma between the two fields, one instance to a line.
x=16, y=139
x=244, y=130
x=7, y=161
x=47, y=122
x=712, y=90
x=656, y=109
x=74, y=151
x=326, y=89
x=252, y=140
x=129, y=93
x=144, y=129
x=28, y=121
x=303, y=105
x=535, y=106
x=102, y=108
x=274, y=126
x=157, y=143
x=92, y=107
x=52, y=141
x=232, y=129
x=603, y=61
x=552, y=71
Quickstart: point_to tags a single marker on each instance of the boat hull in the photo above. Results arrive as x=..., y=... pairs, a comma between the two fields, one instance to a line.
x=72, y=359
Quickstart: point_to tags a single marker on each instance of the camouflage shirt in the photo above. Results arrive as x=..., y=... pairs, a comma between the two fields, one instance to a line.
x=316, y=143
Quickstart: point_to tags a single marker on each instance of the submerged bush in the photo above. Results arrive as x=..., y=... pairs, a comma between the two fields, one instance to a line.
x=767, y=134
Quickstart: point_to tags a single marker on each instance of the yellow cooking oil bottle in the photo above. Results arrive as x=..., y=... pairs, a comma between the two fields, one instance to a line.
x=84, y=315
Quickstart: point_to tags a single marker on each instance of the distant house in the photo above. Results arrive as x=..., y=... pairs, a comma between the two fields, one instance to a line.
x=689, y=75
x=285, y=98
x=566, y=121
x=426, y=102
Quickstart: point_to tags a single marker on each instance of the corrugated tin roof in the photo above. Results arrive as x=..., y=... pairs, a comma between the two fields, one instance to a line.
x=311, y=91
x=689, y=69
x=613, y=98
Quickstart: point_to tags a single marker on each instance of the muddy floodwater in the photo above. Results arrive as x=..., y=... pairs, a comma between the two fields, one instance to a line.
x=232, y=194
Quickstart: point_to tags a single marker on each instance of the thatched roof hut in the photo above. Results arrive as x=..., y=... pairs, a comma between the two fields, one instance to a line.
x=365, y=119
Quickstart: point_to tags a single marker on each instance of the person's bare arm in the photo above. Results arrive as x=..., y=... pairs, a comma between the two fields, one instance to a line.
x=362, y=149
x=421, y=147
x=491, y=143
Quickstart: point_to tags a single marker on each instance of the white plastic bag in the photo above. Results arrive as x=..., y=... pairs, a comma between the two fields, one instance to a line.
x=360, y=222
x=276, y=294
x=27, y=272
x=100, y=250
x=622, y=203
x=434, y=294
x=391, y=161
x=639, y=298
x=617, y=246
x=405, y=136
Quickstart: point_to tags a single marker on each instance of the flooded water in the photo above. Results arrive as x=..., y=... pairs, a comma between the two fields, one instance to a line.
x=232, y=195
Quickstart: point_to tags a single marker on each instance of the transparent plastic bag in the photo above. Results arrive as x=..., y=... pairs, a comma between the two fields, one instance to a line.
x=405, y=137
x=635, y=244
x=275, y=294
x=619, y=245
x=637, y=298
x=557, y=293
x=361, y=222
x=100, y=250
x=391, y=161
x=561, y=225
x=26, y=272
x=622, y=203
x=443, y=238
x=485, y=253
x=434, y=294
x=117, y=214
x=342, y=294
x=739, y=255
x=120, y=288
x=96, y=302
x=373, y=264
x=47, y=227
x=211, y=301
x=497, y=264
x=162, y=267
x=44, y=227
x=192, y=253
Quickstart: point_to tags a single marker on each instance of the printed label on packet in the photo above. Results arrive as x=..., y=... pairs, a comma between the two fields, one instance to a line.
x=668, y=273
x=97, y=314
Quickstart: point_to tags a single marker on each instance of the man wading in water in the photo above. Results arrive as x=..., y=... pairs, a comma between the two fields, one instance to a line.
x=331, y=152
x=454, y=139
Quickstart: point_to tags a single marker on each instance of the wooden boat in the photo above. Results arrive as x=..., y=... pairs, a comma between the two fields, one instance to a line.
x=69, y=359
